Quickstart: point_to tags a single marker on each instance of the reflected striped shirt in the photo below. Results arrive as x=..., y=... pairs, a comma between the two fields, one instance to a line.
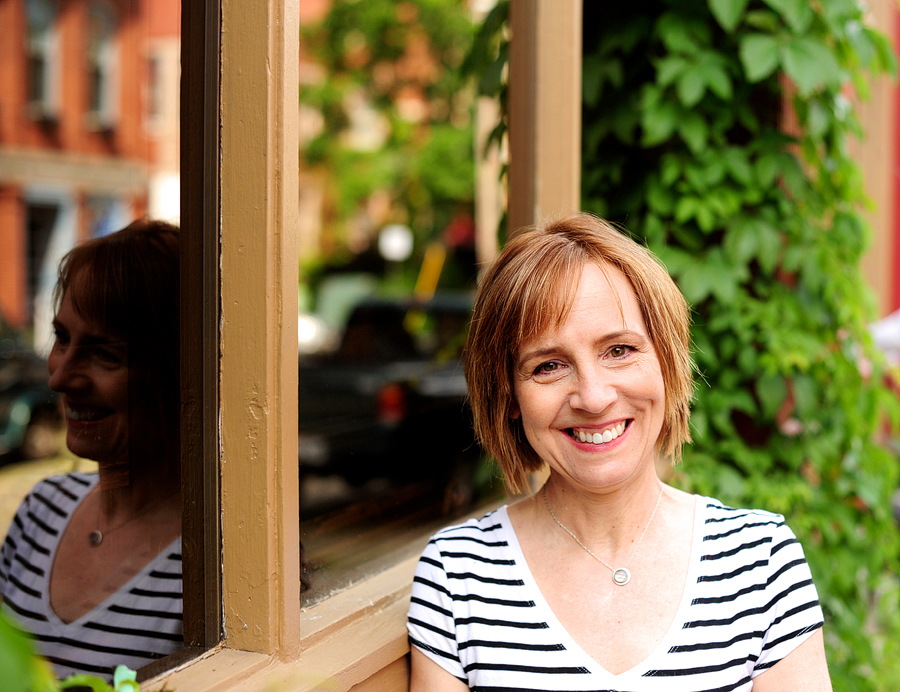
x=134, y=626
x=749, y=601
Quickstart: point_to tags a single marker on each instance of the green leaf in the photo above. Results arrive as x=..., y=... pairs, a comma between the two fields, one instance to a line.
x=711, y=277
x=660, y=199
x=772, y=391
x=676, y=33
x=16, y=654
x=693, y=131
x=659, y=123
x=716, y=79
x=741, y=243
x=125, y=679
x=767, y=168
x=738, y=164
x=797, y=14
x=690, y=87
x=669, y=69
x=759, y=56
x=671, y=170
x=770, y=243
x=90, y=681
x=810, y=64
x=727, y=12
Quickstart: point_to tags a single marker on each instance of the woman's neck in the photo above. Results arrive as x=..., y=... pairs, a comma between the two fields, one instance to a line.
x=611, y=522
x=124, y=493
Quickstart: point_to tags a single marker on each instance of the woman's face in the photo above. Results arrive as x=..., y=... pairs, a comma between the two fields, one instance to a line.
x=591, y=393
x=89, y=367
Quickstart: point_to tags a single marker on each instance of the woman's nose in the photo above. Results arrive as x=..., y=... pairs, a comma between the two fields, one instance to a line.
x=594, y=393
x=66, y=370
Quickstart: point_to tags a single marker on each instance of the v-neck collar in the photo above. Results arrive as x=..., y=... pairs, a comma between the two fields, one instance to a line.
x=654, y=659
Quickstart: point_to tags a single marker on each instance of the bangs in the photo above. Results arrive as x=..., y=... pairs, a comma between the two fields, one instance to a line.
x=545, y=295
x=94, y=295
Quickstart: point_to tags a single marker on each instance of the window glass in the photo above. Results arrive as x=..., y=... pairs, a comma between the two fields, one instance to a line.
x=101, y=63
x=90, y=503
x=40, y=81
x=388, y=269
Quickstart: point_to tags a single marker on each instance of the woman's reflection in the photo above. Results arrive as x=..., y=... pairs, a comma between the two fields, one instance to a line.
x=91, y=565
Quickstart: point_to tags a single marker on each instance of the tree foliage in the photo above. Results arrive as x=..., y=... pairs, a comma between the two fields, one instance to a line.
x=716, y=131
x=396, y=142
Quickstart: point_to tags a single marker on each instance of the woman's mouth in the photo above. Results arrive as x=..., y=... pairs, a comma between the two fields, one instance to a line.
x=85, y=414
x=598, y=437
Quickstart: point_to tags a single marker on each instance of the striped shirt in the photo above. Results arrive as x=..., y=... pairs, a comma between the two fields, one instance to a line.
x=139, y=623
x=749, y=601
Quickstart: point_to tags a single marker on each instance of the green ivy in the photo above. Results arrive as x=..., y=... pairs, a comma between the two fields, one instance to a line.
x=374, y=52
x=717, y=132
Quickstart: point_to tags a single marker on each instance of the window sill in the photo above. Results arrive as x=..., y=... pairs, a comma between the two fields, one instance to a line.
x=356, y=635
x=347, y=639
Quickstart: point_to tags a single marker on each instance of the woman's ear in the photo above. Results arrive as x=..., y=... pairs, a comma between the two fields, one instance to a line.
x=514, y=411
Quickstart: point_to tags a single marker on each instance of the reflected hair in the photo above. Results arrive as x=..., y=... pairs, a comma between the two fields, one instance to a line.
x=528, y=291
x=128, y=283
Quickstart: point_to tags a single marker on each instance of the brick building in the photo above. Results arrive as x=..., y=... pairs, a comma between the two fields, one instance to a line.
x=88, y=90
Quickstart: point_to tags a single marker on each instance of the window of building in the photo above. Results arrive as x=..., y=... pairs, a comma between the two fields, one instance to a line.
x=41, y=49
x=349, y=631
x=101, y=66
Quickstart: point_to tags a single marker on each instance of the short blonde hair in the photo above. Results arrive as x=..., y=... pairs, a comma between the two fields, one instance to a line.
x=529, y=290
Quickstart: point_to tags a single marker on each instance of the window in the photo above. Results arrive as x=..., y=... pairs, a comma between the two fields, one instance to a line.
x=101, y=67
x=356, y=636
x=41, y=49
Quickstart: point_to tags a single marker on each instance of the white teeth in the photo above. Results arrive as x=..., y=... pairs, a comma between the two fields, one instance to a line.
x=598, y=438
x=82, y=415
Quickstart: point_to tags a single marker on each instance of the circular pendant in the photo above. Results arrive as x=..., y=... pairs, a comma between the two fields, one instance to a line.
x=621, y=576
x=95, y=538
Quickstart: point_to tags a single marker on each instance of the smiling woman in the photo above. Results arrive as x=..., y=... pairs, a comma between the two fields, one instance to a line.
x=91, y=565
x=578, y=360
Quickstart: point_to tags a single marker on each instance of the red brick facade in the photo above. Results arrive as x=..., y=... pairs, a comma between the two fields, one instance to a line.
x=68, y=170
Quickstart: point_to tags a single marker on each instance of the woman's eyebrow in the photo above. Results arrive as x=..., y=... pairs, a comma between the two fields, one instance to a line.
x=544, y=351
x=537, y=353
x=92, y=339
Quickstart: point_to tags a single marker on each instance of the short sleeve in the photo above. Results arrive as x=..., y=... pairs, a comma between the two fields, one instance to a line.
x=791, y=601
x=430, y=622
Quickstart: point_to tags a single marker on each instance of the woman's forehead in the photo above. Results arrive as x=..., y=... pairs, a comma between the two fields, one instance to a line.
x=551, y=310
x=74, y=311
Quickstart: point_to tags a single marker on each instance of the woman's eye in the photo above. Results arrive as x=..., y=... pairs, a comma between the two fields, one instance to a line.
x=620, y=351
x=105, y=357
x=546, y=368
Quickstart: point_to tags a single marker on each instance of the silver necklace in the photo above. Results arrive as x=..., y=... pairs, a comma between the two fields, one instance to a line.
x=95, y=537
x=620, y=575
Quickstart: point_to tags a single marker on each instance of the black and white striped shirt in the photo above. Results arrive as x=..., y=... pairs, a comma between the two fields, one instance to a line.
x=136, y=625
x=749, y=601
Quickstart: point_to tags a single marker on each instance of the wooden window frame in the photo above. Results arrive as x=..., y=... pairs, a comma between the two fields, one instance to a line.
x=244, y=626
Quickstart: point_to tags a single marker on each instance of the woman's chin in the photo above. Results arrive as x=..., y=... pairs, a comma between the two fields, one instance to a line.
x=92, y=445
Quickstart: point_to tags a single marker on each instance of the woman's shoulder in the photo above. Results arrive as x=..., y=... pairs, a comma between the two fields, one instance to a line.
x=65, y=487
x=57, y=495
x=742, y=525
x=717, y=511
x=491, y=523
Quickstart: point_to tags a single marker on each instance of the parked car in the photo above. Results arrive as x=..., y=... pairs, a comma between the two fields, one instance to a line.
x=30, y=419
x=390, y=400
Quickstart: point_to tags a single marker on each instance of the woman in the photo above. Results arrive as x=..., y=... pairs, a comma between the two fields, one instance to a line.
x=91, y=565
x=606, y=578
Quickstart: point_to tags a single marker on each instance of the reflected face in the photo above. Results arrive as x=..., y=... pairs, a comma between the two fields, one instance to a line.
x=89, y=367
x=591, y=394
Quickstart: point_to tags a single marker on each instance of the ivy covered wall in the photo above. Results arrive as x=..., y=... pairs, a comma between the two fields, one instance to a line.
x=716, y=131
